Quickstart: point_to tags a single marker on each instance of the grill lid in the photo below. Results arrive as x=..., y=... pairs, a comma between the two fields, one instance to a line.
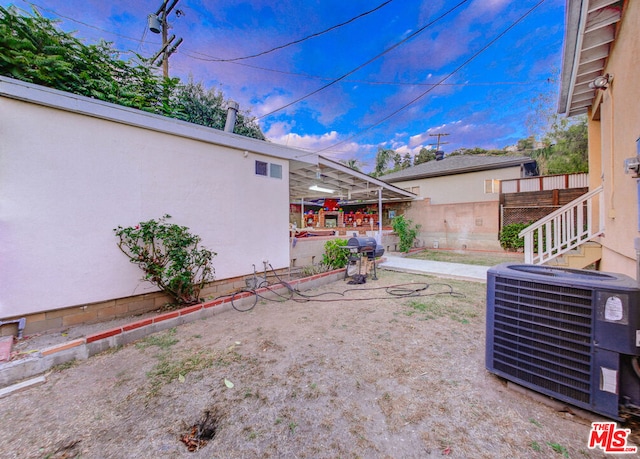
x=362, y=244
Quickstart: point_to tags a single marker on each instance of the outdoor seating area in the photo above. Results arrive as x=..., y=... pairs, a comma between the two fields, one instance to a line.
x=339, y=219
x=330, y=214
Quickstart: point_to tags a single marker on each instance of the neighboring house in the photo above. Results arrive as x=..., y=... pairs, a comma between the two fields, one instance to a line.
x=74, y=168
x=600, y=78
x=458, y=204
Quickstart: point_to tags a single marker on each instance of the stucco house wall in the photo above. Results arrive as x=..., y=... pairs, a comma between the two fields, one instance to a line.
x=619, y=126
x=459, y=188
x=72, y=169
x=614, y=130
x=455, y=210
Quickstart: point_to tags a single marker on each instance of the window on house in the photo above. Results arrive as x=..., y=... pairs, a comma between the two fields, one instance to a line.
x=268, y=169
x=275, y=170
x=261, y=168
x=492, y=186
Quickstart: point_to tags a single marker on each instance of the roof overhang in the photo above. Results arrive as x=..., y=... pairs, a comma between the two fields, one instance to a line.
x=346, y=183
x=306, y=169
x=516, y=162
x=590, y=30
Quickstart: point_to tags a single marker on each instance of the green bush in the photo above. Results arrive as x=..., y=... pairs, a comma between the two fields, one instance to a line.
x=334, y=255
x=406, y=231
x=509, y=239
x=169, y=256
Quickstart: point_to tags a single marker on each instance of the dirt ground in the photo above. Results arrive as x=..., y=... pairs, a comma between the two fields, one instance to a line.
x=370, y=372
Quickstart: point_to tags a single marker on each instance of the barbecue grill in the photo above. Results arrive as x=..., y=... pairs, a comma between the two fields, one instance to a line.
x=359, y=248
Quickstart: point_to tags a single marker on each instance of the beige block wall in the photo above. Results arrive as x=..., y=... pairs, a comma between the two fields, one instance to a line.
x=104, y=311
x=472, y=226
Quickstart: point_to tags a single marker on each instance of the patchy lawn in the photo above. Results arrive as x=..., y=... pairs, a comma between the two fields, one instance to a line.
x=469, y=257
x=393, y=368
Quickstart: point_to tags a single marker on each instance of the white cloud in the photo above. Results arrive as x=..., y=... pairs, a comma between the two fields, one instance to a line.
x=282, y=133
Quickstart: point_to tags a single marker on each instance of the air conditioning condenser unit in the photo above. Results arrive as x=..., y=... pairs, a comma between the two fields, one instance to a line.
x=571, y=334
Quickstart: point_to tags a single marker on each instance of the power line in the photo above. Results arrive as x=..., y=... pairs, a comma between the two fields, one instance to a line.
x=439, y=143
x=420, y=30
x=313, y=35
x=209, y=58
x=158, y=24
x=456, y=70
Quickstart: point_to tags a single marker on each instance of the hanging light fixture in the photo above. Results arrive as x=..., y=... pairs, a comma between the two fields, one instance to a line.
x=321, y=189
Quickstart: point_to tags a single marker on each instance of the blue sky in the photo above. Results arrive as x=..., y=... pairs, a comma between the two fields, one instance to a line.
x=447, y=70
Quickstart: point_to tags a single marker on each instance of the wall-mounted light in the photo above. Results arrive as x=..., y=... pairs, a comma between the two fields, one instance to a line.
x=320, y=189
x=632, y=166
x=601, y=82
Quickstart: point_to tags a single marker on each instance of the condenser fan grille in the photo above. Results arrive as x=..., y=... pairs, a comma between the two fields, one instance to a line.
x=542, y=336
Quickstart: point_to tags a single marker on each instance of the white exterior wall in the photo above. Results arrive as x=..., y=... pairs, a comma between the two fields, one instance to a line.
x=460, y=188
x=68, y=179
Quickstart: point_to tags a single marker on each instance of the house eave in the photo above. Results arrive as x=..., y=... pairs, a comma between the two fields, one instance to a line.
x=590, y=29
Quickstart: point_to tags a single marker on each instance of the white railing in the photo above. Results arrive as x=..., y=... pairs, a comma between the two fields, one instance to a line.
x=565, y=229
x=545, y=182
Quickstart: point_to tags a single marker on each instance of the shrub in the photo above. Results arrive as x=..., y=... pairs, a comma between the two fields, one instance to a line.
x=334, y=255
x=508, y=237
x=169, y=256
x=406, y=231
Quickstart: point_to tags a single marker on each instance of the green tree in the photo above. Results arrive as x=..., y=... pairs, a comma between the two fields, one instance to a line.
x=397, y=162
x=565, y=139
x=352, y=164
x=196, y=104
x=382, y=159
x=527, y=144
x=424, y=156
x=406, y=161
x=570, y=150
x=34, y=49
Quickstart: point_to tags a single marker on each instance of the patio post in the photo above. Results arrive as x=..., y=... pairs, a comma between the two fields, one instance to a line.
x=379, y=238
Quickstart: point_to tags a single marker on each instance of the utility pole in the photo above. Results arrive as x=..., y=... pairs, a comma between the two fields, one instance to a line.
x=439, y=143
x=158, y=24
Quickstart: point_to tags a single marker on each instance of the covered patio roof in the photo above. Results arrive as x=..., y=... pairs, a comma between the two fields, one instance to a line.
x=590, y=30
x=308, y=178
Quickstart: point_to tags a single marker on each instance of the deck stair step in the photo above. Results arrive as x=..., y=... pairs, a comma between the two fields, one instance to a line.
x=584, y=255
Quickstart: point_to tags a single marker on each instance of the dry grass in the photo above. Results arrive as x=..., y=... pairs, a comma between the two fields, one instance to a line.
x=468, y=257
x=356, y=373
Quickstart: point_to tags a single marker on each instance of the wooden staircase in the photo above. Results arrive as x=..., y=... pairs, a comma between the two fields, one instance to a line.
x=563, y=238
x=584, y=255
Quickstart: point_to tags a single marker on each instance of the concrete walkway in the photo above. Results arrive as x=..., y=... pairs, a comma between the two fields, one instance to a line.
x=396, y=262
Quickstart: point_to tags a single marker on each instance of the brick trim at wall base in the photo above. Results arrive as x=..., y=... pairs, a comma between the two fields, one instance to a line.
x=61, y=319
x=83, y=348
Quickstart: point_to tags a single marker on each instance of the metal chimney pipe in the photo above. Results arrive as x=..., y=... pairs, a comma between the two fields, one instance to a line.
x=232, y=112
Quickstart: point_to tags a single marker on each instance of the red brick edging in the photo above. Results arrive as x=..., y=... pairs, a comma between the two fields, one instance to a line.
x=171, y=315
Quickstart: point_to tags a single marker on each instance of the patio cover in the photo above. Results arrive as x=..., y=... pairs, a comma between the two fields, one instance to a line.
x=346, y=183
